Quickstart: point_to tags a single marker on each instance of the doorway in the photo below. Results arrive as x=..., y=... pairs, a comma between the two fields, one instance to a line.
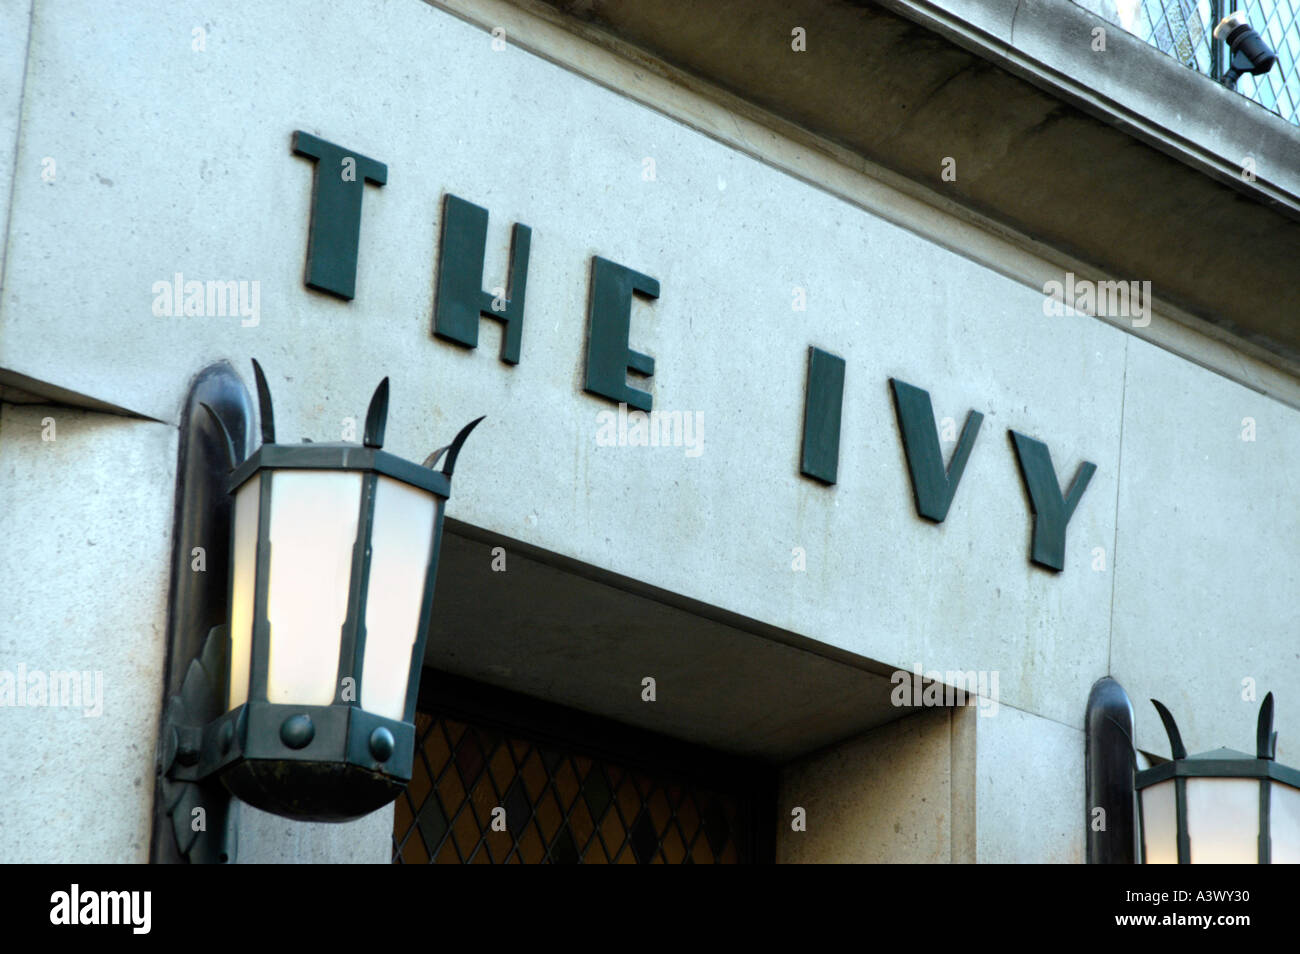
x=500, y=778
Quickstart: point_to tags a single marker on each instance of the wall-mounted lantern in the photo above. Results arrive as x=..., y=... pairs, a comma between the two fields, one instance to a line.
x=302, y=701
x=1220, y=807
x=1224, y=807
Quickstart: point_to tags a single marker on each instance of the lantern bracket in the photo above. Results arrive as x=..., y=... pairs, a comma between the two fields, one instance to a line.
x=1109, y=763
x=214, y=428
x=203, y=817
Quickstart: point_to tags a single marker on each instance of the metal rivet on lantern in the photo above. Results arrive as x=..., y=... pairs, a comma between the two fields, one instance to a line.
x=297, y=731
x=187, y=754
x=382, y=744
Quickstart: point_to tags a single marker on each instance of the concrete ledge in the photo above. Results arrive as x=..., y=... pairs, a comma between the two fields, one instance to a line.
x=1129, y=85
x=16, y=388
x=1123, y=160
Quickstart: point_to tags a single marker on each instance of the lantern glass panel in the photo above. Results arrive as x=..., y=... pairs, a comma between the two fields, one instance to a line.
x=313, y=528
x=1160, y=823
x=243, y=577
x=400, y=541
x=1284, y=824
x=1223, y=820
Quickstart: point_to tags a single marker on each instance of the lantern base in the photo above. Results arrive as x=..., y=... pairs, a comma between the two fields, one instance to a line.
x=311, y=791
x=330, y=763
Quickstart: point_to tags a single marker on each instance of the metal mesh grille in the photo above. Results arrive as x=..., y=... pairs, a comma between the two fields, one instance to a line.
x=559, y=807
x=1279, y=88
x=1184, y=29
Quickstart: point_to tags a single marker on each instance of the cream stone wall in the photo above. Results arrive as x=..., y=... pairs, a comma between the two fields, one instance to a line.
x=946, y=785
x=85, y=550
x=899, y=793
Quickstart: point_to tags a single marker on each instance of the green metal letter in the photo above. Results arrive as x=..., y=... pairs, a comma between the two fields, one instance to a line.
x=461, y=299
x=1052, y=511
x=335, y=231
x=609, y=319
x=822, y=402
x=933, y=487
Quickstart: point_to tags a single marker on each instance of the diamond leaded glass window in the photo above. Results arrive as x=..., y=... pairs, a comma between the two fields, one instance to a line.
x=1184, y=30
x=489, y=794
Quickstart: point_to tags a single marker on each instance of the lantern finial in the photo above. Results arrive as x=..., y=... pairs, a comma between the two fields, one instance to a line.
x=377, y=416
x=1171, y=729
x=229, y=443
x=264, y=414
x=454, y=447
x=1265, y=737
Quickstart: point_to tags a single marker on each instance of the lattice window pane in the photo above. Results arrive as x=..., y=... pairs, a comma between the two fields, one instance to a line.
x=1184, y=30
x=559, y=807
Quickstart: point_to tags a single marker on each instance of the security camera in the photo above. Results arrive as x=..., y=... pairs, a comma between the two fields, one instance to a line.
x=1250, y=54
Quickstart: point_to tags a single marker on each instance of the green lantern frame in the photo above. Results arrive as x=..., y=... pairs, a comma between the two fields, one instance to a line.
x=332, y=762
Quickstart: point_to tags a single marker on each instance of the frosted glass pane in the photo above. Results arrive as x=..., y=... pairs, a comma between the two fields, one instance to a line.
x=1284, y=824
x=1223, y=820
x=241, y=588
x=1160, y=823
x=313, y=529
x=400, y=540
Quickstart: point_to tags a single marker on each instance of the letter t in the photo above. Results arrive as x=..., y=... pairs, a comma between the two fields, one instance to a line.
x=335, y=230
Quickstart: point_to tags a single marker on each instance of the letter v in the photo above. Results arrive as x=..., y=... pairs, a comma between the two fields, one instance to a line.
x=933, y=487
